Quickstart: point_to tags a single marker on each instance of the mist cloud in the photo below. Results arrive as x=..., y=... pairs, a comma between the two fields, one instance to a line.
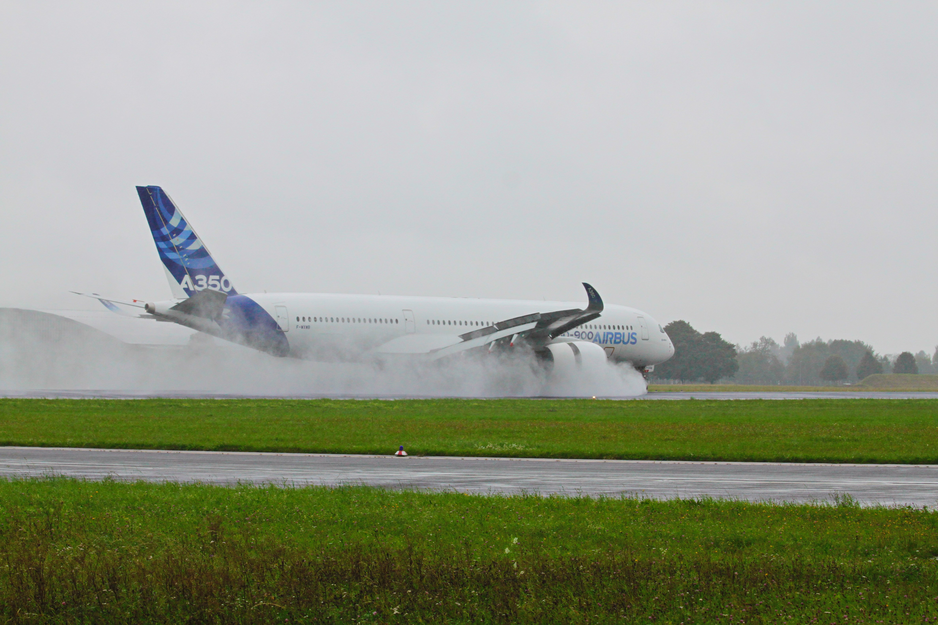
x=39, y=351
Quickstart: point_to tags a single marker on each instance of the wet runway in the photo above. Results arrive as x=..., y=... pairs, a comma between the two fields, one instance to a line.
x=658, y=396
x=869, y=484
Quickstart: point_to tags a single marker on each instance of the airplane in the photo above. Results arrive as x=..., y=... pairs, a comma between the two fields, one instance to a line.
x=334, y=327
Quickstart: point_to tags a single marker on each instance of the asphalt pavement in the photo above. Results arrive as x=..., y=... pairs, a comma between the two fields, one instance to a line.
x=656, y=396
x=889, y=485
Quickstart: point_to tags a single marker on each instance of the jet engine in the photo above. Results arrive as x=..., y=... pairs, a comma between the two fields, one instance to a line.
x=563, y=358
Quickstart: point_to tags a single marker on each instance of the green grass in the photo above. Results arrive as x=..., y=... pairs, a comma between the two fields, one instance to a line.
x=893, y=383
x=887, y=431
x=879, y=381
x=73, y=551
x=750, y=388
x=899, y=381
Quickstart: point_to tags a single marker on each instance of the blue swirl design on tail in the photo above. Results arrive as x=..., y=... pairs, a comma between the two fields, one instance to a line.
x=183, y=254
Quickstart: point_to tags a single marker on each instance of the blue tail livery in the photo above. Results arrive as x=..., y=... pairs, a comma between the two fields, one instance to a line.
x=189, y=266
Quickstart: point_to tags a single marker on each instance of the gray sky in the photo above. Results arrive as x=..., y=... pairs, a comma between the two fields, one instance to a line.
x=753, y=168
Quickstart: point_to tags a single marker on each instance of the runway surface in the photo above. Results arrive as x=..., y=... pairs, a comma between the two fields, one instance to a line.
x=175, y=394
x=869, y=484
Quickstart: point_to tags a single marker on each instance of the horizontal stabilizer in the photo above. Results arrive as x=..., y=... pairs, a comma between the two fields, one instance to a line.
x=113, y=305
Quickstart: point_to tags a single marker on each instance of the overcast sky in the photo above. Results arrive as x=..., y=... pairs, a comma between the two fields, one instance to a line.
x=752, y=168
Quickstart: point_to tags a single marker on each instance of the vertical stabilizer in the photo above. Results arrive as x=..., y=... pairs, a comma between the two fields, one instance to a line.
x=189, y=266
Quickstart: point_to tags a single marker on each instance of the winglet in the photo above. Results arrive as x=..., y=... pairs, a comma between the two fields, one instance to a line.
x=596, y=302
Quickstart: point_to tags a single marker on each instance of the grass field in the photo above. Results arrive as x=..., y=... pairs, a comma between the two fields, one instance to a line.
x=74, y=551
x=900, y=381
x=879, y=382
x=750, y=388
x=887, y=431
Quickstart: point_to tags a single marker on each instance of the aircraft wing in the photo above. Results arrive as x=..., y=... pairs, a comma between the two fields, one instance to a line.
x=480, y=338
x=555, y=323
x=536, y=329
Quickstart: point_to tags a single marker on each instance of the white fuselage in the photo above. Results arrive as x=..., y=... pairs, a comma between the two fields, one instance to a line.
x=357, y=327
x=350, y=327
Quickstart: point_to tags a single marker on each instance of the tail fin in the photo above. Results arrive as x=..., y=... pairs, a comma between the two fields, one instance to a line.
x=189, y=266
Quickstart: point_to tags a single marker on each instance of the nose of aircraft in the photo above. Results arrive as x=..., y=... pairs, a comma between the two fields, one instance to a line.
x=670, y=347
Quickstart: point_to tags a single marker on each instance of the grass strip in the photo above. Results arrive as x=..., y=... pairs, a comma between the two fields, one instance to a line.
x=859, y=431
x=74, y=551
x=754, y=388
x=890, y=382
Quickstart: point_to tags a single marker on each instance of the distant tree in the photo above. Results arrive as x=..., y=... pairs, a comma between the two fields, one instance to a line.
x=834, y=369
x=924, y=363
x=789, y=344
x=682, y=365
x=905, y=363
x=767, y=345
x=716, y=359
x=697, y=356
x=760, y=363
x=868, y=365
x=806, y=362
x=851, y=351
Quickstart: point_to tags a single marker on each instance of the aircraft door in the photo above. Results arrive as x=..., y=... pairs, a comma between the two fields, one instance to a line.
x=283, y=318
x=410, y=325
x=641, y=322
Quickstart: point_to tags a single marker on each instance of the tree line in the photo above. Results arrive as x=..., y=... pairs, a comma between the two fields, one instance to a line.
x=708, y=357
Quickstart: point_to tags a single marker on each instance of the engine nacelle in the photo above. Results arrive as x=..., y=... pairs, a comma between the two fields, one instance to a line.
x=564, y=358
x=582, y=369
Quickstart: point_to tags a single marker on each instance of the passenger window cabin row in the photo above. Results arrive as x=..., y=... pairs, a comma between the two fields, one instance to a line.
x=588, y=326
x=441, y=322
x=605, y=326
x=346, y=320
